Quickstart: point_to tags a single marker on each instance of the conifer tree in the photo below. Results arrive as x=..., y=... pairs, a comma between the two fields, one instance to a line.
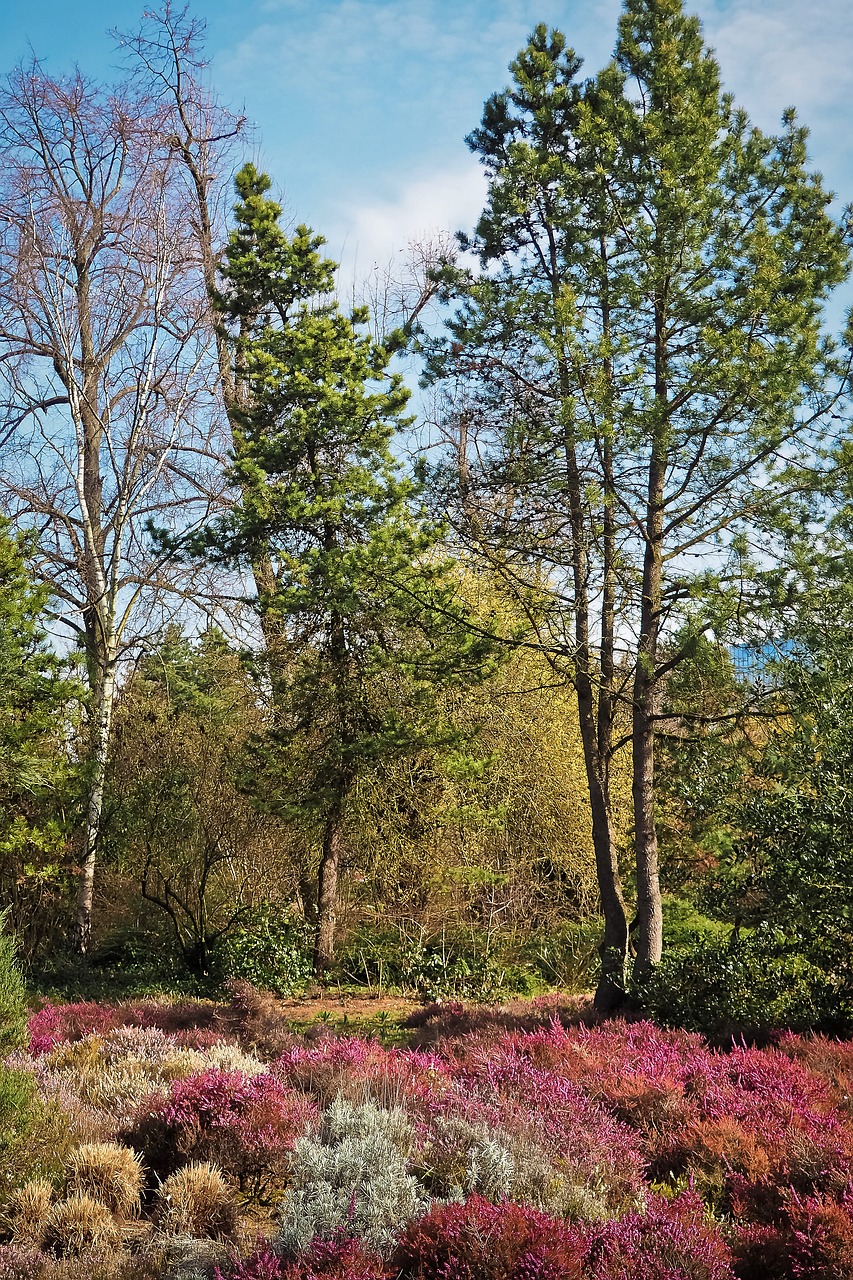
x=364, y=596
x=36, y=773
x=641, y=362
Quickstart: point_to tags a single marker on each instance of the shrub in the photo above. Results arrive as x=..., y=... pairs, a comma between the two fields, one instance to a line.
x=189, y=1022
x=246, y=1126
x=80, y=1225
x=33, y=1132
x=27, y=1211
x=671, y=1240
x=341, y=1258
x=255, y=1017
x=352, y=1175
x=478, y=1240
x=13, y=1001
x=462, y=1157
x=812, y=1240
x=270, y=952
x=750, y=985
x=19, y=1262
x=111, y=1174
x=196, y=1201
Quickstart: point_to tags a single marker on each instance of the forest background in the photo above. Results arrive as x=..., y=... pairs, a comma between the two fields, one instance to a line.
x=340, y=728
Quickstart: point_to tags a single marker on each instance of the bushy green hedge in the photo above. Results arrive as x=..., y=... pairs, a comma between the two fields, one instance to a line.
x=744, y=985
x=270, y=950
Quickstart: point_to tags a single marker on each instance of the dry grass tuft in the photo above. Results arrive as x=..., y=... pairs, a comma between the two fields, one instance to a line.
x=196, y=1201
x=27, y=1211
x=109, y=1173
x=80, y=1225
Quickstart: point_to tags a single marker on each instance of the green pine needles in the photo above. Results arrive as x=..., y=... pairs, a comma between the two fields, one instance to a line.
x=367, y=614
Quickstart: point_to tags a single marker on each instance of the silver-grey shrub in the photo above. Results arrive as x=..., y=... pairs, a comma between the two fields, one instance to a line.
x=352, y=1174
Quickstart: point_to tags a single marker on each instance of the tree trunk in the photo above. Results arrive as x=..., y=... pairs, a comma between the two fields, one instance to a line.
x=327, y=892
x=104, y=693
x=646, y=691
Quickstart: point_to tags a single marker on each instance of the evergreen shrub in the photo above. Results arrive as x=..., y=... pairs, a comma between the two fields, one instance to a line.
x=750, y=985
x=13, y=996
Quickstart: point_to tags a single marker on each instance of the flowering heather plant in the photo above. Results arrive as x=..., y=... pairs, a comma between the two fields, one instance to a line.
x=54, y=1024
x=831, y=1060
x=341, y=1258
x=478, y=1240
x=360, y=1069
x=19, y=1263
x=577, y=1134
x=670, y=1240
x=189, y=1021
x=245, y=1125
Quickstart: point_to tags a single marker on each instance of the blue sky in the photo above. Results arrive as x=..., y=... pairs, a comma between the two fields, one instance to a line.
x=361, y=106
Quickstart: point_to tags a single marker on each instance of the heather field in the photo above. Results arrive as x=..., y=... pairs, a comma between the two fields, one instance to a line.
x=523, y=1142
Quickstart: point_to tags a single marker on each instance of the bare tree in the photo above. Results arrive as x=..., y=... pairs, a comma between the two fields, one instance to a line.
x=104, y=354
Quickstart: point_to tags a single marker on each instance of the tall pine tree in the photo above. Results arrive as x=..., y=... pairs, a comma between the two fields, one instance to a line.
x=365, y=600
x=641, y=362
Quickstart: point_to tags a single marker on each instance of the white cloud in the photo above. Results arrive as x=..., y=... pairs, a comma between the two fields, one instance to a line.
x=779, y=53
x=369, y=235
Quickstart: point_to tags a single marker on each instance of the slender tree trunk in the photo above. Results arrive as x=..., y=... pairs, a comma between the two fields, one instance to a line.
x=327, y=891
x=595, y=715
x=614, y=944
x=649, y=914
x=646, y=689
x=102, y=713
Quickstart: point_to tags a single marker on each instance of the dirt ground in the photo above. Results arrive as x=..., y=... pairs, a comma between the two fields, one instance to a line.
x=356, y=1008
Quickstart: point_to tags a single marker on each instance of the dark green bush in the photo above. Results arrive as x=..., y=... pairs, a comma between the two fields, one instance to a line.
x=743, y=985
x=271, y=951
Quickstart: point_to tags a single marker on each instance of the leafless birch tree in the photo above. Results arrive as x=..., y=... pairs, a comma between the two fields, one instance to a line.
x=104, y=354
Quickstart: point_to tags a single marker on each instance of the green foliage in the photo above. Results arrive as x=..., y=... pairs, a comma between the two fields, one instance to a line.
x=268, y=949
x=751, y=984
x=473, y=963
x=790, y=867
x=33, y=1133
x=363, y=621
x=369, y=616
x=644, y=345
x=178, y=825
x=13, y=1003
x=38, y=787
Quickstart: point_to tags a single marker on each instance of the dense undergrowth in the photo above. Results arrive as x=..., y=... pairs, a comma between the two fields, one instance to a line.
x=193, y=1139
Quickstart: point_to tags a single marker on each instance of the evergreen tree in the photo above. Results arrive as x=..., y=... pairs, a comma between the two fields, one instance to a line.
x=372, y=619
x=37, y=787
x=641, y=362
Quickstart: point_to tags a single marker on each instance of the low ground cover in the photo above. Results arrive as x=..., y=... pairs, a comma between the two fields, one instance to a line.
x=193, y=1139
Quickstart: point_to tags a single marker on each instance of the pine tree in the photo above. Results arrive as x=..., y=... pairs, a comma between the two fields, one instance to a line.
x=364, y=596
x=645, y=360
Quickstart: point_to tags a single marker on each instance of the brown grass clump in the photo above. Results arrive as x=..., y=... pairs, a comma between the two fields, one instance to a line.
x=27, y=1211
x=109, y=1173
x=196, y=1201
x=80, y=1225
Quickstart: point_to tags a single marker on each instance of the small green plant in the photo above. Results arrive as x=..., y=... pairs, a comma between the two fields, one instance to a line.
x=13, y=1001
x=33, y=1132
